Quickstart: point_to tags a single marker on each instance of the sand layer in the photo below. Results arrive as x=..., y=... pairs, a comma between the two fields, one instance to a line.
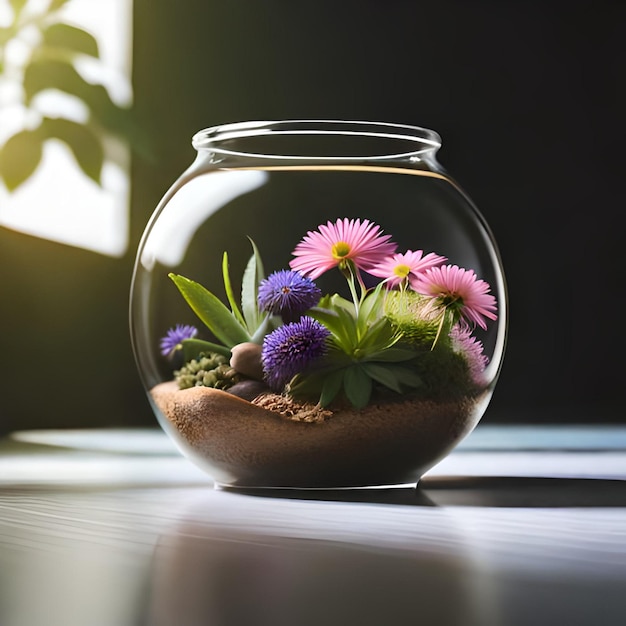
x=243, y=444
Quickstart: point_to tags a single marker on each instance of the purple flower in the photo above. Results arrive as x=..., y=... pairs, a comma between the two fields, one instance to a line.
x=472, y=349
x=288, y=294
x=172, y=340
x=292, y=348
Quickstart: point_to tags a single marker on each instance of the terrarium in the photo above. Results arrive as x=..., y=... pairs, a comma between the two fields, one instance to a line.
x=317, y=304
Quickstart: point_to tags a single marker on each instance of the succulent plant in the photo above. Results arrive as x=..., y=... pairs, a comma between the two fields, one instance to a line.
x=209, y=369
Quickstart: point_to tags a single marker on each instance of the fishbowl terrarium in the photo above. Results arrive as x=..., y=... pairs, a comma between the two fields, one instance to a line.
x=317, y=304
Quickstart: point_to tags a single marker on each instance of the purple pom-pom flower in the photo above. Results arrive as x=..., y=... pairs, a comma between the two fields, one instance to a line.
x=288, y=294
x=472, y=349
x=291, y=349
x=174, y=338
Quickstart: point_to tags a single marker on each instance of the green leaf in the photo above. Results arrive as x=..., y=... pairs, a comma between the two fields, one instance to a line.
x=357, y=386
x=71, y=39
x=371, y=308
x=393, y=376
x=217, y=318
x=309, y=385
x=5, y=35
x=337, y=357
x=267, y=325
x=82, y=141
x=193, y=347
x=252, y=276
x=408, y=376
x=57, y=4
x=331, y=386
x=348, y=328
x=391, y=355
x=19, y=157
x=337, y=302
x=330, y=319
x=229, y=290
x=17, y=6
x=384, y=375
x=41, y=74
x=334, y=302
x=379, y=336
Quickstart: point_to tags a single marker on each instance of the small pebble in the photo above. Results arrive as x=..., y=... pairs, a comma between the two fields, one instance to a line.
x=248, y=389
x=246, y=359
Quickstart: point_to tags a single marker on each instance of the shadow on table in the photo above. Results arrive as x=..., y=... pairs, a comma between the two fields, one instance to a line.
x=487, y=491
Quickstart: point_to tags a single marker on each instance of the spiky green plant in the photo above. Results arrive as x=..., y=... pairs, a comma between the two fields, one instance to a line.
x=363, y=350
x=240, y=324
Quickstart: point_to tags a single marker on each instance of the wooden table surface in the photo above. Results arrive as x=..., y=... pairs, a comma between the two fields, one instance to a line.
x=521, y=525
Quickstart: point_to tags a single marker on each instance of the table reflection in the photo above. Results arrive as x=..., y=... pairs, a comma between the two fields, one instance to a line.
x=303, y=561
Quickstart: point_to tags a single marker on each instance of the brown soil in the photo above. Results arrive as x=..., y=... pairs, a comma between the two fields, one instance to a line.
x=277, y=442
x=291, y=409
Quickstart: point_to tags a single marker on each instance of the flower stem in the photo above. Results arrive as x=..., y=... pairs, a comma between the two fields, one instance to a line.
x=445, y=326
x=353, y=276
x=361, y=283
x=355, y=298
x=349, y=272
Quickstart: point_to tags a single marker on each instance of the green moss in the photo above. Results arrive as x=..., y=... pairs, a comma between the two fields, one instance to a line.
x=406, y=312
x=209, y=369
x=444, y=373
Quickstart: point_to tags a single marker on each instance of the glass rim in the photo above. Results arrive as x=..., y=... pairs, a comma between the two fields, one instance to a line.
x=423, y=140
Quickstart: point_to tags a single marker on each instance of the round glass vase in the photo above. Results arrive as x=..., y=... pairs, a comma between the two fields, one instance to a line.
x=317, y=304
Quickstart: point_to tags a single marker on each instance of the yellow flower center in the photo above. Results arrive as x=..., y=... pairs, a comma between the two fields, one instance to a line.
x=401, y=270
x=340, y=250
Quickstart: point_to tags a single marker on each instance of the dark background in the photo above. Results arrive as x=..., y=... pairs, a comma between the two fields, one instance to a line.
x=529, y=101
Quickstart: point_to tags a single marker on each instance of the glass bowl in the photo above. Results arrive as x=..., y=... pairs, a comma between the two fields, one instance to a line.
x=317, y=304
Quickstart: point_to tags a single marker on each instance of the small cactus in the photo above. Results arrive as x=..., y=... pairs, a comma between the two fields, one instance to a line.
x=208, y=369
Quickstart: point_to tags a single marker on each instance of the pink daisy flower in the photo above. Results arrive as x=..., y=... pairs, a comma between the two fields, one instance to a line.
x=459, y=290
x=333, y=245
x=399, y=268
